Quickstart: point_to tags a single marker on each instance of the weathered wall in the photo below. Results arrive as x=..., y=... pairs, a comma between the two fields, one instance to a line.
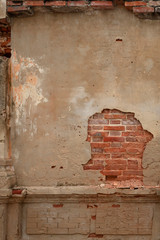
x=2, y=9
x=3, y=90
x=67, y=67
x=67, y=213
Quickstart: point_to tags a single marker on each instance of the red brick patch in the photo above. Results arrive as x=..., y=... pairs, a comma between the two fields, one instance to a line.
x=117, y=147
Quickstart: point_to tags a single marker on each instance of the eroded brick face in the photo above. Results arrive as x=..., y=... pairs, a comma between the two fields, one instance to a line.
x=117, y=142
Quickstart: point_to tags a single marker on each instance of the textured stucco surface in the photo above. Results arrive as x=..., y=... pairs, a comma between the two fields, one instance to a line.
x=2, y=9
x=3, y=84
x=65, y=68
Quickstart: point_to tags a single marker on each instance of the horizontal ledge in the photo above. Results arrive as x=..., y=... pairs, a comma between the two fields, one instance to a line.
x=89, y=190
x=74, y=194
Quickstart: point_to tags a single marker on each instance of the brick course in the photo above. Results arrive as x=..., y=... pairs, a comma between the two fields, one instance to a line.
x=117, y=148
x=140, y=8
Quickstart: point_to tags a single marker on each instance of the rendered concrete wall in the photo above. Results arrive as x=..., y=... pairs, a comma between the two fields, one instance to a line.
x=2, y=9
x=67, y=67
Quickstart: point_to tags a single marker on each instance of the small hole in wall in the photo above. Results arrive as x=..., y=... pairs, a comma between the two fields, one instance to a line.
x=53, y=166
x=119, y=40
x=110, y=178
x=61, y=167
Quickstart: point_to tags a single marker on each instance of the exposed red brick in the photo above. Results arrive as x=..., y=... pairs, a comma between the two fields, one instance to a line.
x=117, y=150
x=93, y=217
x=133, y=145
x=55, y=3
x=143, y=9
x=94, y=235
x=16, y=9
x=5, y=33
x=119, y=161
x=17, y=191
x=33, y=3
x=102, y=4
x=114, y=121
x=115, y=167
x=130, y=5
x=113, y=150
x=114, y=139
x=115, y=133
x=13, y=3
x=58, y=205
x=139, y=133
x=116, y=144
x=100, y=156
x=129, y=172
x=115, y=116
x=100, y=145
x=97, y=127
x=111, y=172
x=115, y=205
x=114, y=128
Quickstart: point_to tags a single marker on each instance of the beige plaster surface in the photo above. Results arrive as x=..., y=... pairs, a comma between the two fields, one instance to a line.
x=65, y=68
x=2, y=9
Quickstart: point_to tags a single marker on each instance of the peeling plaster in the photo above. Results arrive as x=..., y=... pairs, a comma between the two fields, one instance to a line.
x=27, y=87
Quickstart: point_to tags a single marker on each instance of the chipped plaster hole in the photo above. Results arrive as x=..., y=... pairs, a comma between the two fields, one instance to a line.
x=119, y=40
x=117, y=141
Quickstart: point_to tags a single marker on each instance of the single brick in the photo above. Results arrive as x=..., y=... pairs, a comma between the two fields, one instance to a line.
x=100, y=145
x=136, y=133
x=143, y=9
x=115, y=116
x=116, y=144
x=100, y=156
x=115, y=133
x=17, y=9
x=114, y=128
x=55, y=3
x=102, y=4
x=58, y=205
x=129, y=172
x=33, y=3
x=97, y=128
x=114, y=139
x=111, y=172
x=111, y=150
x=114, y=121
x=130, y=5
x=130, y=122
x=115, y=167
x=119, y=161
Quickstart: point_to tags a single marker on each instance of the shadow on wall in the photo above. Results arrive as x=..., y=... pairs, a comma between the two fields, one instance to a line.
x=117, y=141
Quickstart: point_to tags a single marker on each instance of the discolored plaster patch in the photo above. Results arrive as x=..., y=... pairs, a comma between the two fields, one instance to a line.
x=26, y=86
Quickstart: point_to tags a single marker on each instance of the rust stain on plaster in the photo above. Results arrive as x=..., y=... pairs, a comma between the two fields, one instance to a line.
x=26, y=85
